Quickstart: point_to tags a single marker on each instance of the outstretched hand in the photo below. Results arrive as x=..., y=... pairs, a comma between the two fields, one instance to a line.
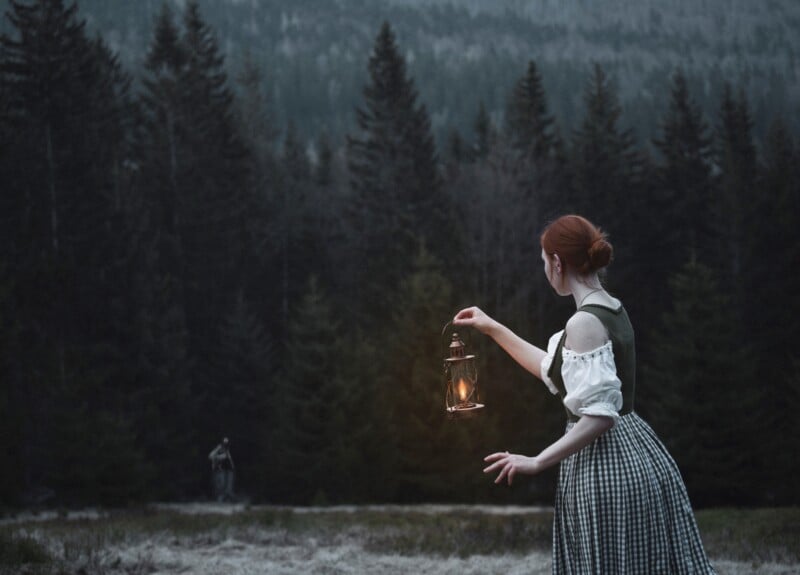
x=474, y=317
x=509, y=464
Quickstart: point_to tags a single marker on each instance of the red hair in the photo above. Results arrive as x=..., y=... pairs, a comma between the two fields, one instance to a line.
x=578, y=243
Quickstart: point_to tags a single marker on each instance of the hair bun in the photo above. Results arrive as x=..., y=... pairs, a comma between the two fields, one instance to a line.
x=581, y=245
x=600, y=253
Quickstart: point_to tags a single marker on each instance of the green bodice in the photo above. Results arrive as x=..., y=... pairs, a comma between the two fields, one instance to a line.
x=620, y=332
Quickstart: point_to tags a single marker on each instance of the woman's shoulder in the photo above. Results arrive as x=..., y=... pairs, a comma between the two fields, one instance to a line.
x=585, y=332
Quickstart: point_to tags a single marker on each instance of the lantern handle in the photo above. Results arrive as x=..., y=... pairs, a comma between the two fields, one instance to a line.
x=445, y=326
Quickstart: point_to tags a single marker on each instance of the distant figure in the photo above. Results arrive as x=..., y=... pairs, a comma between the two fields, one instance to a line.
x=222, y=469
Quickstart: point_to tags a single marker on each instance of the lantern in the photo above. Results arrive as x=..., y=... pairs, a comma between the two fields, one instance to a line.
x=461, y=377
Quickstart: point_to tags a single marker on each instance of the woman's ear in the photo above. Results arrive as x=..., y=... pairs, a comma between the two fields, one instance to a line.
x=556, y=263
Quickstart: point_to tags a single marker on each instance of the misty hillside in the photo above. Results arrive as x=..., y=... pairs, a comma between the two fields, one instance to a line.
x=314, y=52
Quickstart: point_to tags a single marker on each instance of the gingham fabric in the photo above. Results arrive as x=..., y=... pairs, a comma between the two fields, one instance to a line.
x=622, y=509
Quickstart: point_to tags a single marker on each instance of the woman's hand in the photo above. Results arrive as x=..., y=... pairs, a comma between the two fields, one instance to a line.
x=510, y=464
x=474, y=317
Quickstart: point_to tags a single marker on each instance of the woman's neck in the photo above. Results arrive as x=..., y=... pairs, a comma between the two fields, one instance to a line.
x=585, y=288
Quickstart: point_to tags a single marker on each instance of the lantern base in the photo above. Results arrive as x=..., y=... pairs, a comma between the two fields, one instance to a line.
x=464, y=411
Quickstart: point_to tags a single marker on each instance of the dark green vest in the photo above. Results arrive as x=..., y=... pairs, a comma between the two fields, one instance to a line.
x=620, y=332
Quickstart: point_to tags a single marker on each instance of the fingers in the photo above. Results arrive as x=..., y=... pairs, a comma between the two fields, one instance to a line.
x=495, y=456
x=502, y=474
x=467, y=316
x=494, y=466
x=503, y=462
x=496, y=459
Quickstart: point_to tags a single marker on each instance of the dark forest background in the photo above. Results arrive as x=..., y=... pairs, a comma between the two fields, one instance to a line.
x=194, y=246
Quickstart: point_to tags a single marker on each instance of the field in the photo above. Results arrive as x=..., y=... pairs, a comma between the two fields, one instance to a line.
x=206, y=539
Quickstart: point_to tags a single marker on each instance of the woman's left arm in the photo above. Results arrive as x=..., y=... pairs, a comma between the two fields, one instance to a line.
x=587, y=429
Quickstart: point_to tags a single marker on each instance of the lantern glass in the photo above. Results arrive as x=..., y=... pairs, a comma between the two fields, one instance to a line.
x=461, y=376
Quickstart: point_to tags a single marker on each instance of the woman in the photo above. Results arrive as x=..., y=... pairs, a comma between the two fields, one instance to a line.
x=621, y=505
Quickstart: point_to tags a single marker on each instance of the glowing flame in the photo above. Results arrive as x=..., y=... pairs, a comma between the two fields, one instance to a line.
x=463, y=389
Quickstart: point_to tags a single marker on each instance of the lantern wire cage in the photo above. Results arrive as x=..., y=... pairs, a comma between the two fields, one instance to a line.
x=461, y=377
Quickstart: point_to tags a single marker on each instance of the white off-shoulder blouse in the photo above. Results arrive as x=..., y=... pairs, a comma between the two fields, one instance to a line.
x=590, y=379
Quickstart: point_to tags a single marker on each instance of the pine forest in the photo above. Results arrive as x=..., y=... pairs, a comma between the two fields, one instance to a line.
x=211, y=230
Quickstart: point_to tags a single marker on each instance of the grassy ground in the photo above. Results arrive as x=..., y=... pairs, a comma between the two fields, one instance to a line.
x=461, y=539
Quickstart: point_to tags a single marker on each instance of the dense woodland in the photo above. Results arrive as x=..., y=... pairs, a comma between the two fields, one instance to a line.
x=177, y=264
x=312, y=53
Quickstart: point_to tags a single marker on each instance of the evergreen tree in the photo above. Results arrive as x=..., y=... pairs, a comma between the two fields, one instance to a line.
x=684, y=190
x=677, y=216
x=243, y=413
x=529, y=125
x=604, y=158
x=538, y=171
x=433, y=453
x=292, y=221
x=485, y=132
x=325, y=207
x=737, y=162
x=770, y=289
x=167, y=406
x=608, y=184
x=701, y=400
x=311, y=406
x=393, y=164
x=195, y=177
x=66, y=102
x=255, y=118
x=263, y=201
x=212, y=181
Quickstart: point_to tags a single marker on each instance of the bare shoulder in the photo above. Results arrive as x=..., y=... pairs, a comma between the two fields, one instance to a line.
x=585, y=332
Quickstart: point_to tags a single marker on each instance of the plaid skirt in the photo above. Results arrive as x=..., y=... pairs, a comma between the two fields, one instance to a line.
x=622, y=508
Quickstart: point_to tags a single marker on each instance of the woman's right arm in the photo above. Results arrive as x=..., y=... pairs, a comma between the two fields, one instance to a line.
x=526, y=354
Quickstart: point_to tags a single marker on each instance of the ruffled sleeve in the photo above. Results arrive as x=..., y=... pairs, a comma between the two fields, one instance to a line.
x=547, y=361
x=591, y=381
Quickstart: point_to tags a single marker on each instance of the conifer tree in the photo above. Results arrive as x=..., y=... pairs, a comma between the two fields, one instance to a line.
x=292, y=223
x=431, y=450
x=255, y=117
x=263, y=213
x=212, y=182
x=535, y=137
x=737, y=162
x=195, y=177
x=484, y=132
x=604, y=158
x=164, y=363
x=325, y=208
x=607, y=183
x=243, y=412
x=701, y=400
x=66, y=102
x=683, y=193
x=529, y=125
x=398, y=197
x=770, y=288
x=311, y=406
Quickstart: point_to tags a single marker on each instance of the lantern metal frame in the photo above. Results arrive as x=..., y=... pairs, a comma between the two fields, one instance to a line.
x=461, y=379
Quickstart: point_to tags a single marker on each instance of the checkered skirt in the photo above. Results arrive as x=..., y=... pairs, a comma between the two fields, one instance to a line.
x=622, y=508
